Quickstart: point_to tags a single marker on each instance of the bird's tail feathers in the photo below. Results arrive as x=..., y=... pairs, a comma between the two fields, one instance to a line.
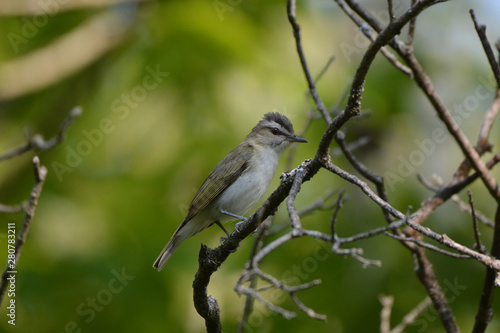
x=167, y=252
x=188, y=228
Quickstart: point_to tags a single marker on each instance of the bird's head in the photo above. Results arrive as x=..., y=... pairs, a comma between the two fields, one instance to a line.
x=274, y=131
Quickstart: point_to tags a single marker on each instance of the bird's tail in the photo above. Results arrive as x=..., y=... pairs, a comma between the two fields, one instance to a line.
x=167, y=252
x=188, y=228
x=183, y=232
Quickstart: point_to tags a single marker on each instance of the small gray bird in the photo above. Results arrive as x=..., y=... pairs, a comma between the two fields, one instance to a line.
x=237, y=182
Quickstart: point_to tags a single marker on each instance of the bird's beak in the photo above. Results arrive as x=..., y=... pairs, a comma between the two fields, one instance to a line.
x=296, y=138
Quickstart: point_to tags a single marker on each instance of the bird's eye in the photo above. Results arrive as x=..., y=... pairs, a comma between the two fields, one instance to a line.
x=275, y=131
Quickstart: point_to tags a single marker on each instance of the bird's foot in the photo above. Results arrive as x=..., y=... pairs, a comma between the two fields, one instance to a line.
x=238, y=226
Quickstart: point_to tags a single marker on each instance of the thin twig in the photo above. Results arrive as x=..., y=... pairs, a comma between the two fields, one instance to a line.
x=410, y=317
x=333, y=219
x=368, y=33
x=249, y=301
x=298, y=42
x=290, y=202
x=488, y=261
x=467, y=208
x=275, y=308
x=13, y=209
x=481, y=32
x=40, y=175
x=324, y=69
x=310, y=312
x=428, y=246
x=427, y=183
x=447, y=192
x=411, y=29
x=368, y=234
x=38, y=143
x=385, y=314
x=456, y=199
x=485, y=309
x=291, y=290
x=390, y=10
x=486, y=125
x=337, y=242
x=479, y=246
x=351, y=146
x=319, y=204
x=311, y=114
x=483, y=144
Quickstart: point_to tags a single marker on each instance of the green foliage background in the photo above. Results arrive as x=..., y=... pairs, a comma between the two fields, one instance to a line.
x=118, y=206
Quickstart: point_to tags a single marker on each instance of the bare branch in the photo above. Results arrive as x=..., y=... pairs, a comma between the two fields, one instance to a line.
x=369, y=34
x=391, y=10
x=298, y=42
x=488, y=120
x=211, y=259
x=13, y=209
x=428, y=246
x=431, y=204
x=206, y=305
x=40, y=175
x=292, y=181
x=456, y=199
x=38, y=143
x=257, y=245
x=290, y=203
x=488, y=261
x=485, y=310
x=467, y=208
x=319, y=204
x=333, y=219
x=411, y=29
x=412, y=315
x=310, y=312
x=385, y=314
x=253, y=293
x=358, y=143
x=479, y=246
x=481, y=32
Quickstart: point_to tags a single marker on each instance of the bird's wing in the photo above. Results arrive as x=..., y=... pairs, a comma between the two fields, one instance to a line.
x=221, y=177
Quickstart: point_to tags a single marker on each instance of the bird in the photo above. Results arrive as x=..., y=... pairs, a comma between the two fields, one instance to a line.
x=237, y=182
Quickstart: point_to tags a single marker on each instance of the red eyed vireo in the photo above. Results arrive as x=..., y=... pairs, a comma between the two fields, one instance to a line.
x=237, y=182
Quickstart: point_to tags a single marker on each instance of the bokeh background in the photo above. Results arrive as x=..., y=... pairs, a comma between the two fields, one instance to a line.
x=167, y=89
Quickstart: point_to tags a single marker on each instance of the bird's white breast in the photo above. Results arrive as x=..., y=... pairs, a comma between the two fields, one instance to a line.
x=249, y=188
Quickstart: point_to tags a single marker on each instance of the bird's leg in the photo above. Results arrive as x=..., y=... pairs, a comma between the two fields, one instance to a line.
x=241, y=218
x=238, y=225
x=223, y=239
x=223, y=229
